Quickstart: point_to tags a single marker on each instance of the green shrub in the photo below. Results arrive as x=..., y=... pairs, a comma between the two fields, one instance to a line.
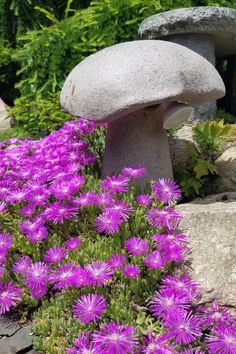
x=39, y=117
x=7, y=73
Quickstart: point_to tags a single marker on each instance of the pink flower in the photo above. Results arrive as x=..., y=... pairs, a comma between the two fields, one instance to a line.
x=100, y=271
x=89, y=308
x=143, y=199
x=166, y=190
x=154, y=260
x=116, y=261
x=131, y=271
x=54, y=254
x=134, y=172
x=72, y=243
x=9, y=295
x=115, y=184
x=108, y=222
x=136, y=246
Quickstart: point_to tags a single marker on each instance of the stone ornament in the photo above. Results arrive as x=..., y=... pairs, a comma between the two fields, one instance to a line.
x=209, y=31
x=140, y=88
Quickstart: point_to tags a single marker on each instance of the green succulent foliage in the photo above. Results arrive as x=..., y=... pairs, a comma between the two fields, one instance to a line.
x=208, y=135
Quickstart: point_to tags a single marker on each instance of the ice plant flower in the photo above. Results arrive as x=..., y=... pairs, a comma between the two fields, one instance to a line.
x=21, y=265
x=36, y=275
x=115, y=184
x=134, y=172
x=108, y=222
x=154, y=260
x=100, y=271
x=122, y=208
x=5, y=241
x=9, y=295
x=143, y=199
x=166, y=217
x=54, y=254
x=222, y=339
x=83, y=345
x=89, y=308
x=131, y=271
x=165, y=302
x=136, y=246
x=115, y=338
x=156, y=345
x=116, y=261
x=183, y=327
x=72, y=243
x=166, y=190
x=62, y=277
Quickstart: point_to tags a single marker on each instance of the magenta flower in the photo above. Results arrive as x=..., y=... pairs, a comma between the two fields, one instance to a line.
x=89, y=308
x=156, y=345
x=166, y=190
x=116, y=261
x=85, y=199
x=169, y=239
x=30, y=226
x=136, y=246
x=108, y=222
x=5, y=241
x=183, y=327
x=54, y=254
x=222, y=340
x=104, y=199
x=167, y=217
x=192, y=351
x=181, y=285
x=143, y=199
x=38, y=235
x=3, y=255
x=62, y=277
x=131, y=271
x=3, y=206
x=28, y=210
x=72, y=243
x=2, y=271
x=122, y=208
x=134, y=172
x=83, y=345
x=9, y=295
x=38, y=293
x=154, y=260
x=57, y=212
x=215, y=314
x=100, y=271
x=165, y=302
x=115, y=338
x=36, y=275
x=115, y=184
x=173, y=254
x=81, y=277
x=21, y=265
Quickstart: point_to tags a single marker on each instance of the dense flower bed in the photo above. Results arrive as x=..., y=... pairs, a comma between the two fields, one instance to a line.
x=116, y=254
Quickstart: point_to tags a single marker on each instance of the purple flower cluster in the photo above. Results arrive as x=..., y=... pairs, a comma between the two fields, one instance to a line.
x=48, y=189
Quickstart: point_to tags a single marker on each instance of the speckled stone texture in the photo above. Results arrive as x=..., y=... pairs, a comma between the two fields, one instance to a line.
x=219, y=22
x=211, y=222
x=138, y=138
x=209, y=31
x=130, y=76
x=226, y=167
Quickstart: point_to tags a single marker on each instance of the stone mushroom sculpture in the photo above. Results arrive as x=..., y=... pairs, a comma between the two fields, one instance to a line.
x=139, y=88
x=209, y=31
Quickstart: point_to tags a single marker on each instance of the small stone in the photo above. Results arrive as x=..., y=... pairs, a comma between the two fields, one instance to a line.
x=21, y=340
x=5, y=118
x=226, y=166
x=7, y=327
x=211, y=223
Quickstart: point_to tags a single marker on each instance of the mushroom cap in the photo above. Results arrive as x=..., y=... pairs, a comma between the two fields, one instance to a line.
x=127, y=77
x=219, y=22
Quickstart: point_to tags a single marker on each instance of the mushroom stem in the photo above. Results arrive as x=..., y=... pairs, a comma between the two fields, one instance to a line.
x=138, y=138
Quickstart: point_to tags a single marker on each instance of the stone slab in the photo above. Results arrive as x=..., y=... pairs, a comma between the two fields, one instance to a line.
x=211, y=222
x=21, y=340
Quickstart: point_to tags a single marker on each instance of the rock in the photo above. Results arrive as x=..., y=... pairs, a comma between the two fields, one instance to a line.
x=20, y=341
x=5, y=120
x=226, y=165
x=211, y=223
x=207, y=30
x=7, y=327
x=185, y=133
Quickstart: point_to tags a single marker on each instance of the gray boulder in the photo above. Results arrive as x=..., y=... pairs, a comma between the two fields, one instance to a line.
x=226, y=166
x=6, y=120
x=211, y=222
